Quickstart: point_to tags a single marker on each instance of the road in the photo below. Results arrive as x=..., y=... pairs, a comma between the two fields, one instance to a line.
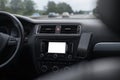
x=71, y=16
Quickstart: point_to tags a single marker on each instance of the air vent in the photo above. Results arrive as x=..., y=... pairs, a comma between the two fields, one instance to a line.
x=69, y=29
x=47, y=28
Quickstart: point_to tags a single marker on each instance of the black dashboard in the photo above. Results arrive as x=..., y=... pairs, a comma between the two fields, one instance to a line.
x=79, y=36
x=55, y=44
x=61, y=48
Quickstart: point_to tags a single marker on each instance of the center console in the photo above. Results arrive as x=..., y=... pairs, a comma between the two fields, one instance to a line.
x=53, y=51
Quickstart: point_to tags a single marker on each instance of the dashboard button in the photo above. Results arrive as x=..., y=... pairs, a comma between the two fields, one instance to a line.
x=55, y=68
x=41, y=55
x=44, y=68
x=69, y=56
x=55, y=56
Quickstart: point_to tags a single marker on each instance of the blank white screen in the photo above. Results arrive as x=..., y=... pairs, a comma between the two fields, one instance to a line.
x=57, y=47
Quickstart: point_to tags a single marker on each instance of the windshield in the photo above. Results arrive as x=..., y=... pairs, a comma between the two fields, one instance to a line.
x=50, y=8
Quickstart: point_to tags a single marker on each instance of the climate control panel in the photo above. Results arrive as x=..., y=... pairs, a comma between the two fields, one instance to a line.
x=54, y=50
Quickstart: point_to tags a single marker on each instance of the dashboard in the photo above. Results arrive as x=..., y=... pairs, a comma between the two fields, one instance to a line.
x=77, y=38
x=54, y=44
x=61, y=48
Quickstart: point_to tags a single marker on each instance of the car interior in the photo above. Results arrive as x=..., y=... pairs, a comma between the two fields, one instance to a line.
x=61, y=49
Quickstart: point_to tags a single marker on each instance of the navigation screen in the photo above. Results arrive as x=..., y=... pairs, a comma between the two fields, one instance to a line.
x=57, y=47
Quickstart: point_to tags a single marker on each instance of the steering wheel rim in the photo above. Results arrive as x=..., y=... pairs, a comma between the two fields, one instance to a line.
x=20, y=29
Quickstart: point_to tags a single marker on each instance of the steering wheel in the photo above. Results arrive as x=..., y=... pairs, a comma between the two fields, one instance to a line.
x=6, y=39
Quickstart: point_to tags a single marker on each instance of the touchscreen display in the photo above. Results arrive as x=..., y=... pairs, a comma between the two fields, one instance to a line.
x=57, y=47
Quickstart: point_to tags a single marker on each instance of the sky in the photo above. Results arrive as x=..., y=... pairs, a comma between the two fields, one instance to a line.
x=75, y=4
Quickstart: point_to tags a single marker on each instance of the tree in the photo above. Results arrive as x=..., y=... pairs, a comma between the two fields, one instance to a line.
x=76, y=12
x=23, y=7
x=28, y=7
x=59, y=8
x=96, y=12
x=81, y=12
x=63, y=7
x=51, y=7
x=16, y=6
x=3, y=4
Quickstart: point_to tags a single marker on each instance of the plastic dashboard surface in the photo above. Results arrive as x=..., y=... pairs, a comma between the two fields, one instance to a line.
x=95, y=30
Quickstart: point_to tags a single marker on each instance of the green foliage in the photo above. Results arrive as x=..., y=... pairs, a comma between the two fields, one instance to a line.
x=63, y=7
x=81, y=12
x=96, y=12
x=23, y=7
x=28, y=7
x=42, y=12
x=51, y=7
x=3, y=4
x=16, y=6
x=58, y=8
